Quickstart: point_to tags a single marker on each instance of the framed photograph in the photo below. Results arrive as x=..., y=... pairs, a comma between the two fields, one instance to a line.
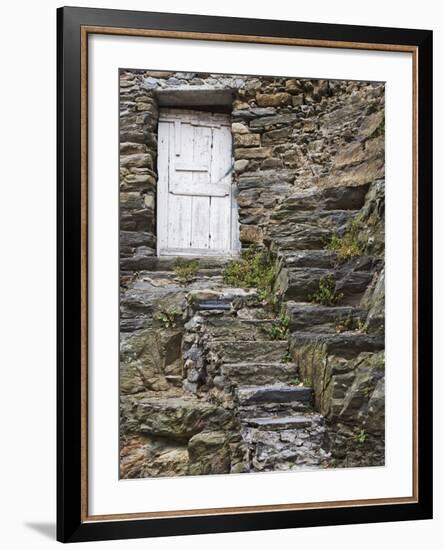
x=245, y=266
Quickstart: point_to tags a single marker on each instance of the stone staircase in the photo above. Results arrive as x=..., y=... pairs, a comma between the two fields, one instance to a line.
x=299, y=231
x=338, y=349
x=236, y=399
x=248, y=371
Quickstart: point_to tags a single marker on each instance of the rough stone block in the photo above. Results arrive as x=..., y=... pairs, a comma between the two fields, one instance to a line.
x=273, y=394
x=273, y=100
x=247, y=140
x=251, y=234
x=209, y=453
x=239, y=128
x=241, y=165
x=180, y=418
x=139, y=160
x=253, y=153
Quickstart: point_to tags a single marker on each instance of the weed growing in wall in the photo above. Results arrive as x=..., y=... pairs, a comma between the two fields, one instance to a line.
x=278, y=330
x=326, y=294
x=168, y=316
x=253, y=270
x=186, y=270
x=361, y=437
x=348, y=246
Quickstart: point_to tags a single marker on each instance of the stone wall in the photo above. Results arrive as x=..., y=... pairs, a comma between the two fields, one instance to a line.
x=288, y=135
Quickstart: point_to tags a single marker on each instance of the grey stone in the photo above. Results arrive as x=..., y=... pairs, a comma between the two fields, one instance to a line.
x=179, y=418
x=301, y=284
x=347, y=345
x=259, y=373
x=263, y=111
x=280, y=422
x=260, y=351
x=318, y=318
x=299, y=236
x=268, y=121
x=273, y=394
x=209, y=453
x=193, y=96
x=323, y=259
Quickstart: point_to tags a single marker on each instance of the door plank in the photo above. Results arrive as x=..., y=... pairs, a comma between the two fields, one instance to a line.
x=220, y=207
x=179, y=207
x=177, y=138
x=200, y=189
x=200, y=221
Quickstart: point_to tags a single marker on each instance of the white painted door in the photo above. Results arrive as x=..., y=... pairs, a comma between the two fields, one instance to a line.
x=195, y=213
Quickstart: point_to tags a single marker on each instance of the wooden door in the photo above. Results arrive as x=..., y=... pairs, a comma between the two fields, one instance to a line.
x=194, y=209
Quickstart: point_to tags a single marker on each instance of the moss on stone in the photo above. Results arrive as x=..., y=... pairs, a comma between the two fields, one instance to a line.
x=253, y=270
x=326, y=294
x=186, y=271
x=349, y=245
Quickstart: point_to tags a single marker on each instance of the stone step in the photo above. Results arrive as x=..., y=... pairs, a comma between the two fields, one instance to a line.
x=293, y=422
x=177, y=417
x=273, y=409
x=298, y=236
x=222, y=298
x=324, y=259
x=291, y=442
x=256, y=313
x=300, y=284
x=168, y=280
x=259, y=373
x=325, y=218
x=168, y=263
x=346, y=344
x=308, y=230
x=139, y=300
x=324, y=319
x=225, y=327
x=261, y=351
x=331, y=198
x=275, y=393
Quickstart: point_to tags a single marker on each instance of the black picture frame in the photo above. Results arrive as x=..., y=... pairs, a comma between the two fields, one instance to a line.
x=71, y=523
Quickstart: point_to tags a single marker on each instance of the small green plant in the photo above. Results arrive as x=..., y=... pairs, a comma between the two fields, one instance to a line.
x=350, y=323
x=346, y=247
x=253, y=270
x=286, y=357
x=342, y=325
x=275, y=331
x=326, y=294
x=361, y=436
x=349, y=245
x=186, y=270
x=362, y=326
x=168, y=316
x=278, y=330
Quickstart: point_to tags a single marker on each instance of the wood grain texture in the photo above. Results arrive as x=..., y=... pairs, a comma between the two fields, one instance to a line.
x=195, y=182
